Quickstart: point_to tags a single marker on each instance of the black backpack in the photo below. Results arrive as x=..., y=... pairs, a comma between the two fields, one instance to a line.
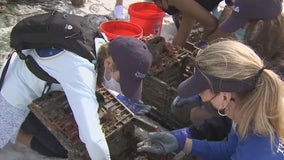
x=55, y=29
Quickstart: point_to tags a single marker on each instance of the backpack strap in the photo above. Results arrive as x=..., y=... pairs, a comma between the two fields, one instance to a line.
x=5, y=71
x=35, y=68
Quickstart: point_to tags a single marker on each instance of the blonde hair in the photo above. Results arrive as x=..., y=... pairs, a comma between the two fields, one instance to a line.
x=262, y=109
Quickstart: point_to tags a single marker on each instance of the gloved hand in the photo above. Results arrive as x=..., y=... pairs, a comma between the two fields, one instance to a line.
x=136, y=107
x=159, y=143
x=165, y=142
x=179, y=102
x=181, y=135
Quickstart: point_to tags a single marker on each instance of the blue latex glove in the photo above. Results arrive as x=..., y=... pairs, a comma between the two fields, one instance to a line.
x=135, y=107
x=190, y=102
x=181, y=135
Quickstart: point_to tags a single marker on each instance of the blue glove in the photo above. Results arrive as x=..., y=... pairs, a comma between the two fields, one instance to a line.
x=190, y=102
x=135, y=107
x=181, y=135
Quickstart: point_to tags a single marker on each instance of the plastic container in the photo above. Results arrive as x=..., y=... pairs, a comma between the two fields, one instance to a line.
x=147, y=15
x=115, y=28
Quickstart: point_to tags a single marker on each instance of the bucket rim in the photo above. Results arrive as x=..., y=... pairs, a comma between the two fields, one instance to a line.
x=134, y=13
x=113, y=35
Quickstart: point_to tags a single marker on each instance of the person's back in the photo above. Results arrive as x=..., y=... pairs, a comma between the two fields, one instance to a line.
x=77, y=77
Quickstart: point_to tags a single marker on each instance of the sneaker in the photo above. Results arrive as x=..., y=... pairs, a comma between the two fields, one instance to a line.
x=118, y=12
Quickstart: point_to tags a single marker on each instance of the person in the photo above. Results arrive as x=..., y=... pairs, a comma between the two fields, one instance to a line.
x=206, y=123
x=232, y=77
x=129, y=61
x=264, y=35
x=261, y=26
x=242, y=13
x=118, y=10
x=192, y=11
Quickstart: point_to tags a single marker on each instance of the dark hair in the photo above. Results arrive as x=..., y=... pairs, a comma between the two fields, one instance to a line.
x=269, y=43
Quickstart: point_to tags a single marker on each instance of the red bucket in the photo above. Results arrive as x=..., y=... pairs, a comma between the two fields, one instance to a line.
x=115, y=28
x=147, y=15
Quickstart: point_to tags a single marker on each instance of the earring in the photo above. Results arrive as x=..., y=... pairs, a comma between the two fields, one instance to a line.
x=223, y=114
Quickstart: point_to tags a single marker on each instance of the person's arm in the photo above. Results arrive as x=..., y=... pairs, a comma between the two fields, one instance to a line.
x=193, y=10
x=212, y=150
x=180, y=140
x=183, y=30
x=218, y=33
x=78, y=79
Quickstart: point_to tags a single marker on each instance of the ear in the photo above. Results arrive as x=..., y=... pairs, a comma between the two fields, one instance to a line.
x=108, y=63
x=259, y=26
x=226, y=98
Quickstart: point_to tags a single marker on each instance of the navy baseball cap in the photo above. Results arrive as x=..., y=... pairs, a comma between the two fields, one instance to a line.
x=247, y=10
x=133, y=60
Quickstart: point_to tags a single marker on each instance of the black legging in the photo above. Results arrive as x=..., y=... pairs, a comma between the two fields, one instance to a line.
x=43, y=141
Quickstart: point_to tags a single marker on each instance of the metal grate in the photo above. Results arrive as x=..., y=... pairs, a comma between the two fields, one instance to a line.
x=54, y=112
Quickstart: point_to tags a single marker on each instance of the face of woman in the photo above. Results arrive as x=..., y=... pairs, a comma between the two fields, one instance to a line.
x=222, y=101
x=111, y=76
x=110, y=70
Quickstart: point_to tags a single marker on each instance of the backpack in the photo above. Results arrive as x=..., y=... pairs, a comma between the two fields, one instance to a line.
x=52, y=30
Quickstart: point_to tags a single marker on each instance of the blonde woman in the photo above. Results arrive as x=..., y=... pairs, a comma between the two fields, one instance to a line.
x=234, y=80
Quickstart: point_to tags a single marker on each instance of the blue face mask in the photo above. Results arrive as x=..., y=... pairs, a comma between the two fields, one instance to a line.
x=240, y=34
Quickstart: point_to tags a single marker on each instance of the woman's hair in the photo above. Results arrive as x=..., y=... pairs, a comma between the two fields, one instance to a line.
x=262, y=108
x=103, y=53
x=269, y=42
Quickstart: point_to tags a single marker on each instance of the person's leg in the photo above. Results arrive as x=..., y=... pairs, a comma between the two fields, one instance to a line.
x=2, y=5
x=118, y=10
x=24, y=138
x=42, y=139
x=191, y=8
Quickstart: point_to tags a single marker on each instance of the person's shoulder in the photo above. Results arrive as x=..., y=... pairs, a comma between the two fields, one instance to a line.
x=259, y=147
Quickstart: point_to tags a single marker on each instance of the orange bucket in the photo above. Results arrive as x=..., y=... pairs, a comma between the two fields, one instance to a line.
x=147, y=15
x=115, y=28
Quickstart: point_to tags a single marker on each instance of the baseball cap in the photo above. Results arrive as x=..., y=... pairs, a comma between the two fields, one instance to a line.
x=246, y=10
x=133, y=60
x=200, y=81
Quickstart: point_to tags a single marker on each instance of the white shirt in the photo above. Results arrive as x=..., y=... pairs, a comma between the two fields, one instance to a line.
x=77, y=77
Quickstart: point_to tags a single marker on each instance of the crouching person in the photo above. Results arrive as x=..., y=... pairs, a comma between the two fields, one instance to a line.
x=233, y=79
x=78, y=79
